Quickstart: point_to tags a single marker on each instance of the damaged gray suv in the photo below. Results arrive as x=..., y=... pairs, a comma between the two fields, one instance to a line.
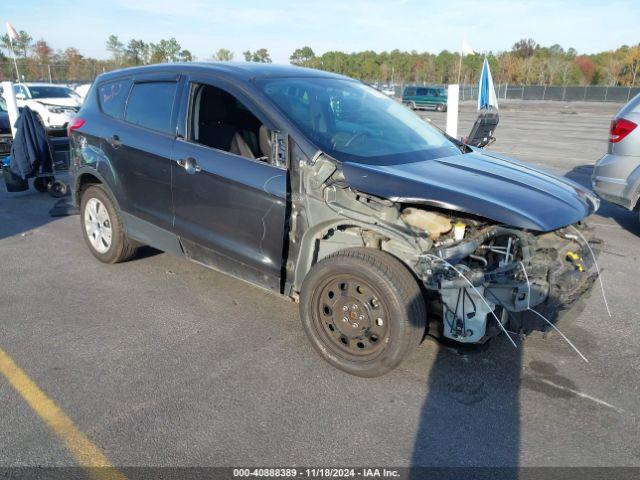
x=328, y=192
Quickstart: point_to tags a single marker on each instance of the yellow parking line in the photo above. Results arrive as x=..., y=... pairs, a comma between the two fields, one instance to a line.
x=81, y=448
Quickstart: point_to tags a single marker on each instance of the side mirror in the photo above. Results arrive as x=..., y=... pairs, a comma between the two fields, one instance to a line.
x=279, y=149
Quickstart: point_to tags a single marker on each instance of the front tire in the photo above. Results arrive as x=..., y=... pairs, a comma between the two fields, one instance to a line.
x=363, y=311
x=102, y=227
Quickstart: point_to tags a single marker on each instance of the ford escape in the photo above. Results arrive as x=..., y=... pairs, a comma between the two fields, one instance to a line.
x=326, y=191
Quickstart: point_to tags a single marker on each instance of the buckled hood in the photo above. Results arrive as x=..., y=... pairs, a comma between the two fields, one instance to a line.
x=481, y=183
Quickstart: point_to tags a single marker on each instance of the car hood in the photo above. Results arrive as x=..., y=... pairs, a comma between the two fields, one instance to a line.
x=58, y=101
x=481, y=183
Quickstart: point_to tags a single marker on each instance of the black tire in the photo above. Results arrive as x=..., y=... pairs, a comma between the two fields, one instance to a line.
x=120, y=248
x=387, y=303
x=42, y=184
x=58, y=189
x=444, y=108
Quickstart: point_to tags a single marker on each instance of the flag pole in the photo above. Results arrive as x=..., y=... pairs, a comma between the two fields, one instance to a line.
x=15, y=62
x=460, y=67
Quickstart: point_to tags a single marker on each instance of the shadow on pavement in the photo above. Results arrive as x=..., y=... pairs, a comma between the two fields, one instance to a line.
x=23, y=211
x=471, y=415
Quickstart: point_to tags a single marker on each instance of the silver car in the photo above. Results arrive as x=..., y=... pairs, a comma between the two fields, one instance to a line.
x=616, y=176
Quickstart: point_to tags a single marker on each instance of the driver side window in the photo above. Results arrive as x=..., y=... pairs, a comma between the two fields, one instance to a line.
x=219, y=120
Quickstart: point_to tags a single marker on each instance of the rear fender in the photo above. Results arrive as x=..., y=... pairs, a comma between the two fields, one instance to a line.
x=90, y=160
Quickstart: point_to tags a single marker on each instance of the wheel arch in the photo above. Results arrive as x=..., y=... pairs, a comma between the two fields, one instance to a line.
x=84, y=179
x=314, y=245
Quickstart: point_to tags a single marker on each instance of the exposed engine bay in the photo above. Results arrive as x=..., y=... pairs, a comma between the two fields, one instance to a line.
x=479, y=278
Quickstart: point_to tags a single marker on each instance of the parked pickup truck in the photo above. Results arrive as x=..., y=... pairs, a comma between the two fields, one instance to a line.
x=328, y=192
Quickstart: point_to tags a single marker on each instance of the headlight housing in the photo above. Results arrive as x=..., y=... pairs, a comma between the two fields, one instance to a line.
x=55, y=109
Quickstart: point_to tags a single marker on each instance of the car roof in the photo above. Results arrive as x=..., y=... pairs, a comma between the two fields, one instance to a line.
x=242, y=70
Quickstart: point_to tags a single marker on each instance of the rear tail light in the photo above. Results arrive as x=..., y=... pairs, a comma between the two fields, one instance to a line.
x=74, y=124
x=620, y=128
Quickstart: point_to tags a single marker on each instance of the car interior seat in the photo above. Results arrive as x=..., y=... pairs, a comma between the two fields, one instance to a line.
x=217, y=126
x=264, y=139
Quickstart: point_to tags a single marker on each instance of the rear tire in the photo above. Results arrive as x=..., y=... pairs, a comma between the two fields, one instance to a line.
x=102, y=227
x=363, y=311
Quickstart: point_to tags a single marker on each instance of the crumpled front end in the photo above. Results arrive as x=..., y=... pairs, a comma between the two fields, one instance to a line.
x=481, y=277
x=503, y=279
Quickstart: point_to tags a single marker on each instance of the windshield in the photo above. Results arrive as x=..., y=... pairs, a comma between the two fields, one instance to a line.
x=50, y=92
x=353, y=122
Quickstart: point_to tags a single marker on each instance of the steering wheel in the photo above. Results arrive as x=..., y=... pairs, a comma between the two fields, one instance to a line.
x=354, y=136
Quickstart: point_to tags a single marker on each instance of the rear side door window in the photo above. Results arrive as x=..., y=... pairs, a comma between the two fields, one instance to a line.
x=150, y=105
x=112, y=96
x=423, y=91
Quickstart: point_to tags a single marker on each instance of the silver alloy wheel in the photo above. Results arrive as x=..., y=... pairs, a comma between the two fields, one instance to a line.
x=97, y=223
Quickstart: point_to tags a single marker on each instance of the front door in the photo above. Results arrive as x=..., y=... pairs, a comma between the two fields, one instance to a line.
x=229, y=201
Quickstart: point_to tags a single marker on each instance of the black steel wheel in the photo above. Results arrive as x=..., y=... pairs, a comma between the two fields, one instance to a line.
x=352, y=316
x=362, y=310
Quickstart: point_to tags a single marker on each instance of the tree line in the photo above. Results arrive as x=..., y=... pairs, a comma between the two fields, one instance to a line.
x=526, y=63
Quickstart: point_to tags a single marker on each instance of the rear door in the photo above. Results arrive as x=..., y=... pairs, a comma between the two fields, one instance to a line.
x=229, y=209
x=140, y=148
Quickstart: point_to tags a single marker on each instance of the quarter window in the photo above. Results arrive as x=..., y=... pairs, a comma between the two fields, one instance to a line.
x=112, y=96
x=150, y=105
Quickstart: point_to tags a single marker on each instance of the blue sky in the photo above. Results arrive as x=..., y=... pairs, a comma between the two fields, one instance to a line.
x=351, y=25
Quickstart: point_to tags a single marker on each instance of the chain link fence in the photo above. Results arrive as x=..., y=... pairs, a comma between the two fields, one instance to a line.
x=87, y=72
x=569, y=93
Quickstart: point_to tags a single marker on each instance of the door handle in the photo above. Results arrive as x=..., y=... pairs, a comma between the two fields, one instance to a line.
x=190, y=165
x=114, y=141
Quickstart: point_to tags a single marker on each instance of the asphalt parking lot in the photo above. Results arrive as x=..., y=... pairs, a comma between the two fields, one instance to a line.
x=162, y=362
